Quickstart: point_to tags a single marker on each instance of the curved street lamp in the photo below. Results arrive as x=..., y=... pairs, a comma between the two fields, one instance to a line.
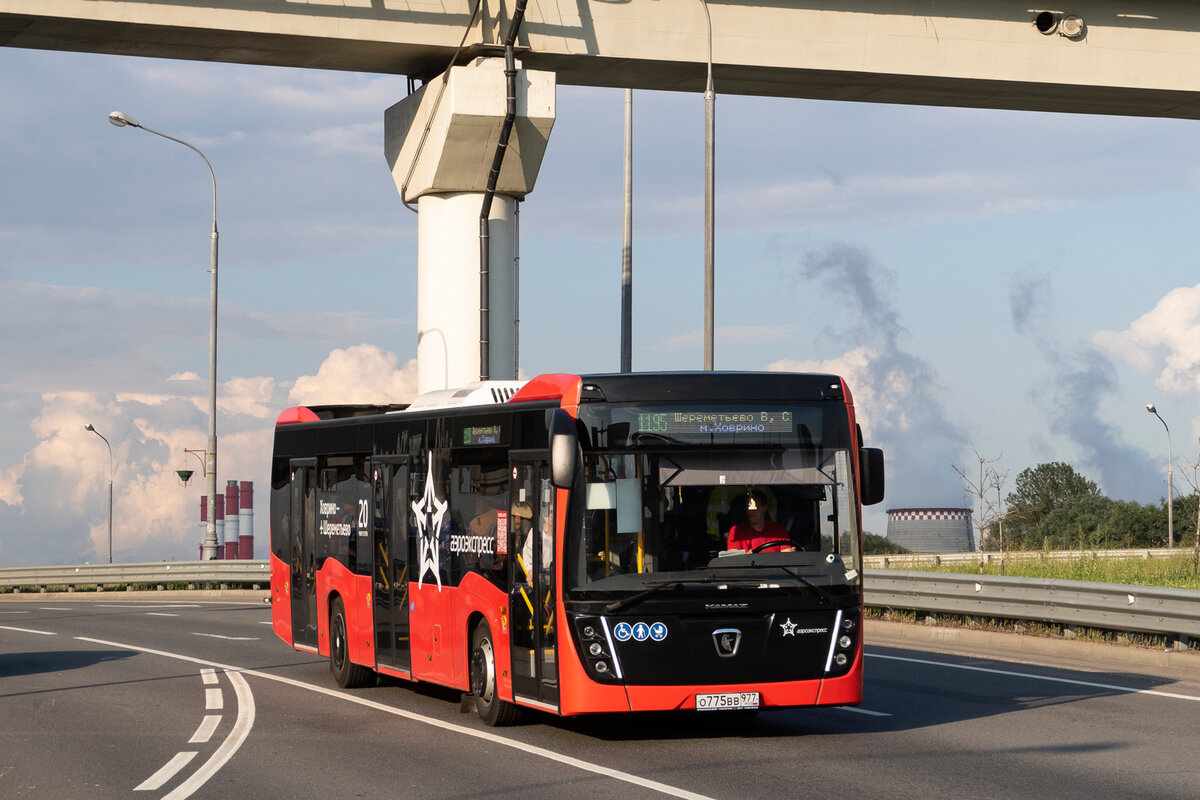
x=89, y=427
x=1170, y=484
x=209, y=549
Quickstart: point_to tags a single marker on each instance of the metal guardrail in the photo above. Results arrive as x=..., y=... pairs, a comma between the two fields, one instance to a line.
x=1143, y=609
x=193, y=573
x=918, y=560
x=1172, y=612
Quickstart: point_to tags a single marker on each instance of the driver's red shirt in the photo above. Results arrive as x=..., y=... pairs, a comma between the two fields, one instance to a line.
x=743, y=536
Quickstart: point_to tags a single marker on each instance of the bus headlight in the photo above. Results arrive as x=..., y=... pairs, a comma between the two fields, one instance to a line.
x=844, y=649
x=595, y=649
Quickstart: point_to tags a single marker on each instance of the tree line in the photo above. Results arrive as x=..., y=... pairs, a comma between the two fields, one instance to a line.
x=1054, y=507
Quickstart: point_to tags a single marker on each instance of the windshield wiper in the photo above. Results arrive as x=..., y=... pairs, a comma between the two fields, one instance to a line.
x=644, y=437
x=817, y=590
x=637, y=597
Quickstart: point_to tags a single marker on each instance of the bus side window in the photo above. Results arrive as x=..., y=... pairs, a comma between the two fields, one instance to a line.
x=479, y=516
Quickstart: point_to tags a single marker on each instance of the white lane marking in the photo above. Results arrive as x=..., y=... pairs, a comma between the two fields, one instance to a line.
x=214, y=700
x=54, y=608
x=207, y=726
x=241, y=730
x=166, y=773
x=1031, y=676
x=208, y=675
x=227, y=638
x=866, y=711
x=263, y=622
x=160, y=614
x=148, y=605
x=586, y=766
x=14, y=612
x=27, y=630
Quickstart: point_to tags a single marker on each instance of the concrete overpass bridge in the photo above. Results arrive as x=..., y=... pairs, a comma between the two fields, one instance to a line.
x=1134, y=57
x=1127, y=57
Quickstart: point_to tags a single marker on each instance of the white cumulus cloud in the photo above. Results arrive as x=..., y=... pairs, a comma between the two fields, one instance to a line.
x=360, y=374
x=1165, y=339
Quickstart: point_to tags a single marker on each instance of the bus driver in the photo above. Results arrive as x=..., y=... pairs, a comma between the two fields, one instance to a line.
x=757, y=530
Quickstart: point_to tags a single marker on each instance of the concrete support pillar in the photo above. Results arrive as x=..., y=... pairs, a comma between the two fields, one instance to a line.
x=448, y=289
x=440, y=142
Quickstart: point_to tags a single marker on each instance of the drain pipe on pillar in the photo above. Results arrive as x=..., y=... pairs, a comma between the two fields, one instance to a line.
x=510, y=115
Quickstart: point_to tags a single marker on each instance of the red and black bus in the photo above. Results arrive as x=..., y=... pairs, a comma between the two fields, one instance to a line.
x=562, y=545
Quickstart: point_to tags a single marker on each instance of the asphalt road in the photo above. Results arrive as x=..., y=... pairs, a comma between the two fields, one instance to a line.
x=176, y=698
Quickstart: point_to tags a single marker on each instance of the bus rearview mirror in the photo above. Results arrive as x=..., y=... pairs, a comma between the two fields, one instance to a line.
x=564, y=448
x=870, y=462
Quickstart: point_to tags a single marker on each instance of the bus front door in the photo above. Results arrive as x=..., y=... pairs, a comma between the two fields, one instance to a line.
x=390, y=564
x=532, y=600
x=302, y=532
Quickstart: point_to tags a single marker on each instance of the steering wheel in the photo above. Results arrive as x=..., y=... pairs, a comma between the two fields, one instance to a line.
x=774, y=543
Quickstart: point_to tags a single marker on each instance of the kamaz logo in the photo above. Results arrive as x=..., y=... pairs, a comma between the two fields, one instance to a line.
x=727, y=641
x=725, y=606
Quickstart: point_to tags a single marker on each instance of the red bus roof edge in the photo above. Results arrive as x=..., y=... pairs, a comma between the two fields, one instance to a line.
x=291, y=416
x=554, y=386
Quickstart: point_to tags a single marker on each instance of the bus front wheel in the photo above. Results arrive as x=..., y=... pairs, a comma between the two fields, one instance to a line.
x=492, y=710
x=347, y=674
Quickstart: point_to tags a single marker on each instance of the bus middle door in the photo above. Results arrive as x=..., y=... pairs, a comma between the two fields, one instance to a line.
x=390, y=563
x=532, y=599
x=302, y=535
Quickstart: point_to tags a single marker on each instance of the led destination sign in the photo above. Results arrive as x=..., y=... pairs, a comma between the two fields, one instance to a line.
x=681, y=423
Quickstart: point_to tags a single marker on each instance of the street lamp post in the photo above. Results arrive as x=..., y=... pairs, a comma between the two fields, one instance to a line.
x=89, y=427
x=710, y=117
x=1170, y=484
x=209, y=548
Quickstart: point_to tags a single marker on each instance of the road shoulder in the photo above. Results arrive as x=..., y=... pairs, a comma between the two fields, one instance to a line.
x=1178, y=665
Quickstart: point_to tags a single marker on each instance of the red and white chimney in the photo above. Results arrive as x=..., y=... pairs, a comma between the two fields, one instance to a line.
x=246, y=526
x=220, y=503
x=231, y=520
x=203, y=523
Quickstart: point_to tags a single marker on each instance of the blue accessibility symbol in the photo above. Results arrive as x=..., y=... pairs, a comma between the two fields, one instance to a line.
x=658, y=631
x=641, y=631
x=623, y=631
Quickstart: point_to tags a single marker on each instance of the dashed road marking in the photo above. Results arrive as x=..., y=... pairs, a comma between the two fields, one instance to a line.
x=227, y=638
x=207, y=727
x=866, y=711
x=246, y=720
x=167, y=772
x=27, y=630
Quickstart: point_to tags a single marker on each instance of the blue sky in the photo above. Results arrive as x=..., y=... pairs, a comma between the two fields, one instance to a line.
x=1012, y=284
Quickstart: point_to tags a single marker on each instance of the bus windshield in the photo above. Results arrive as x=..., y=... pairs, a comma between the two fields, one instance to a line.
x=706, y=494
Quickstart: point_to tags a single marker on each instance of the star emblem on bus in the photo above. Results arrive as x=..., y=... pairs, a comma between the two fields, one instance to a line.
x=429, y=512
x=789, y=627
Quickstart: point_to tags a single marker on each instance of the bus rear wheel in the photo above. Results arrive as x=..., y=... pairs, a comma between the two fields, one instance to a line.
x=492, y=710
x=347, y=674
